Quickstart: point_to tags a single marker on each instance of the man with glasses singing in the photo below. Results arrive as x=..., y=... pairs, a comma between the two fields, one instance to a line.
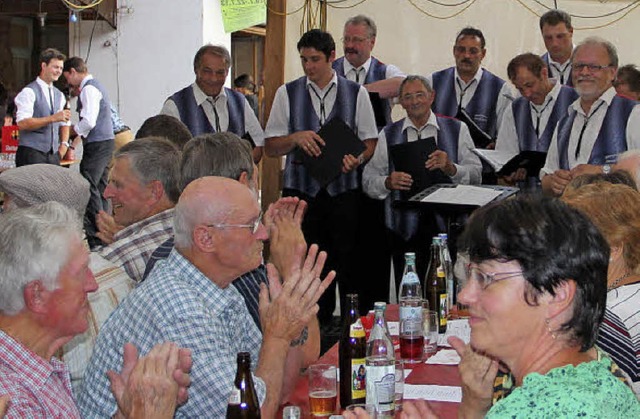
x=599, y=124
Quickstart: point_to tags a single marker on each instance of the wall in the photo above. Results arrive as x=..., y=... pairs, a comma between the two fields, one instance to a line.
x=150, y=55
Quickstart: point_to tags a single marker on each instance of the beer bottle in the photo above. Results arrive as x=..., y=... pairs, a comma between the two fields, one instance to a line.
x=436, y=287
x=243, y=401
x=353, y=351
x=447, y=264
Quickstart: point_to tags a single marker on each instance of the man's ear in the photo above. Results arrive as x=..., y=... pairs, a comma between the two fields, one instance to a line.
x=205, y=238
x=157, y=190
x=244, y=179
x=35, y=297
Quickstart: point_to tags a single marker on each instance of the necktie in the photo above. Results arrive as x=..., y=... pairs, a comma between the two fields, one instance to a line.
x=539, y=115
x=357, y=71
x=215, y=112
x=463, y=91
x=584, y=127
x=560, y=70
x=51, y=99
x=321, y=99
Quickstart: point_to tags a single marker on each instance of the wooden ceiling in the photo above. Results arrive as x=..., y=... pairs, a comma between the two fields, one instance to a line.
x=57, y=12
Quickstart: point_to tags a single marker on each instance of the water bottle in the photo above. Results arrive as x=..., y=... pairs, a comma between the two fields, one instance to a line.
x=410, y=294
x=380, y=366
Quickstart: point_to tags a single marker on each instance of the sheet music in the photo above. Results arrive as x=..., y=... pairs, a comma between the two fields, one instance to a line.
x=463, y=195
x=433, y=393
x=495, y=158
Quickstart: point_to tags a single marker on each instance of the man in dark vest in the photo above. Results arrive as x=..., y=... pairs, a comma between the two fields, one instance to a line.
x=207, y=106
x=529, y=121
x=95, y=132
x=409, y=231
x=41, y=117
x=557, y=34
x=599, y=125
x=299, y=109
x=467, y=86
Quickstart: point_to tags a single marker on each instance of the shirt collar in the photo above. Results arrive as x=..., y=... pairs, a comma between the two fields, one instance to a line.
x=561, y=65
x=333, y=80
x=606, y=97
x=201, y=96
x=431, y=121
x=550, y=97
x=43, y=83
x=348, y=67
x=138, y=226
x=476, y=77
x=85, y=80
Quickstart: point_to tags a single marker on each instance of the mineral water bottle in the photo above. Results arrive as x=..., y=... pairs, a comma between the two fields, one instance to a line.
x=410, y=294
x=380, y=366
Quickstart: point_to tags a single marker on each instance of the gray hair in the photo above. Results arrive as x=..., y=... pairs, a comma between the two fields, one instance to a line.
x=632, y=154
x=372, y=30
x=218, y=50
x=34, y=246
x=415, y=77
x=221, y=154
x=153, y=158
x=596, y=40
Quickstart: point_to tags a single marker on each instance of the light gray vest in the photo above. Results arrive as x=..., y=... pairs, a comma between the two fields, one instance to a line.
x=46, y=138
x=103, y=131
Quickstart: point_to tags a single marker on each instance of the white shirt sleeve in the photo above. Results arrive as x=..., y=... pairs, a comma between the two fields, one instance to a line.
x=393, y=71
x=469, y=167
x=552, y=163
x=170, y=108
x=365, y=118
x=25, y=100
x=376, y=171
x=507, y=141
x=252, y=126
x=90, y=98
x=278, y=123
x=633, y=129
x=505, y=98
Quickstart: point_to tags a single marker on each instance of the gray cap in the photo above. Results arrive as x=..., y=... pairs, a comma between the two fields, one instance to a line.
x=39, y=183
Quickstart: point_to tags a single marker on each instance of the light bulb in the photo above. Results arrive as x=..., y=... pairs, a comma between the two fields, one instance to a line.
x=73, y=18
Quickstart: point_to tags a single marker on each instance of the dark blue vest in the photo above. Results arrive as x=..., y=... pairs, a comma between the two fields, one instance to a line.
x=481, y=107
x=302, y=117
x=196, y=120
x=103, y=131
x=46, y=138
x=545, y=58
x=525, y=130
x=377, y=71
x=611, y=140
x=405, y=221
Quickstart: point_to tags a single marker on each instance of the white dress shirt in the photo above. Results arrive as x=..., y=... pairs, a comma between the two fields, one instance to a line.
x=278, y=124
x=90, y=97
x=26, y=99
x=251, y=124
x=596, y=117
x=468, y=170
x=350, y=71
x=560, y=70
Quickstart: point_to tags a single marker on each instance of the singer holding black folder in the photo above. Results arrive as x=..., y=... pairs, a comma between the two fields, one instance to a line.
x=453, y=160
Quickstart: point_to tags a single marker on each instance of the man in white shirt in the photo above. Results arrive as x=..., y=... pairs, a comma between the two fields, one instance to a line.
x=557, y=34
x=95, y=131
x=453, y=158
x=599, y=125
x=299, y=109
x=40, y=115
x=206, y=106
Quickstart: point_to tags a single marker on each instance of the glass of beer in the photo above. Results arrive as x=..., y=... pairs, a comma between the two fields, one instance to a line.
x=322, y=390
x=411, y=340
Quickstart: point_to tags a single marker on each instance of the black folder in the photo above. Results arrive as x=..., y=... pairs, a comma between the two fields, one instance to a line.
x=340, y=140
x=480, y=138
x=378, y=109
x=530, y=160
x=410, y=158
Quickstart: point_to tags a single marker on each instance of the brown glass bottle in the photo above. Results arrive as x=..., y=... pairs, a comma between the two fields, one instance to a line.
x=435, y=286
x=243, y=401
x=353, y=352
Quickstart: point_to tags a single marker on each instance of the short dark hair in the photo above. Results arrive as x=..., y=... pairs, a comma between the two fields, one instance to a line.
x=553, y=243
x=166, y=126
x=153, y=158
x=554, y=17
x=242, y=80
x=51, y=54
x=221, y=154
x=471, y=31
x=531, y=62
x=218, y=50
x=630, y=75
x=320, y=40
x=76, y=63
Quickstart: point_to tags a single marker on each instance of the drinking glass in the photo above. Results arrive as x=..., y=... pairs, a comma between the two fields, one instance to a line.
x=411, y=340
x=322, y=390
x=369, y=408
x=430, y=331
x=399, y=384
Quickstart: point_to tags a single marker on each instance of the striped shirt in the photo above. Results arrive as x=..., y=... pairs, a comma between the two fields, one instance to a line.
x=134, y=244
x=619, y=333
x=177, y=303
x=38, y=388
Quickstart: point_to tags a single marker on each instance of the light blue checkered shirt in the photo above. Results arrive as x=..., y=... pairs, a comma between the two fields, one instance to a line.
x=177, y=303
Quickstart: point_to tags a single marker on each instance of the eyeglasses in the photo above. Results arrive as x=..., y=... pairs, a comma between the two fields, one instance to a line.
x=354, y=39
x=417, y=95
x=578, y=67
x=486, y=279
x=253, y=226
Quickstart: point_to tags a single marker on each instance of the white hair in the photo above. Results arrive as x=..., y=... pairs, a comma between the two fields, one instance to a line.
x=34, y=245
x=632, y=154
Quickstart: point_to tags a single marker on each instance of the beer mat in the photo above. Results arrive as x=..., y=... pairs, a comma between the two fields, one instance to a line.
x=459, y=328
x=394, y=328
x=433, y=393
x=378, y=109
x=340, y=140
x=444, y=357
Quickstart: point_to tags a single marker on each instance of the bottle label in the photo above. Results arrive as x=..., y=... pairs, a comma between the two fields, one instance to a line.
x=358, y=378
x=234, y=397
x=381, y=387
x=408, y=312
x=356, y=330
x=410, y=278
x=443, y=304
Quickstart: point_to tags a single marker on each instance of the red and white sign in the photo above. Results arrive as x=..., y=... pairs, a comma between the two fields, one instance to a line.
x=10, y=139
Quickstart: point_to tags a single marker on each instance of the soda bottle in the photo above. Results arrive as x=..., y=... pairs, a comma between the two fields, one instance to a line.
x=352, y=356
x=380, y=366
x=447, y=263
x=243, y=401
x=410, y=294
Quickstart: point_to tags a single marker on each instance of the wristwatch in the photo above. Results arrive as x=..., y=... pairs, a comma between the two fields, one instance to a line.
x=606, y=169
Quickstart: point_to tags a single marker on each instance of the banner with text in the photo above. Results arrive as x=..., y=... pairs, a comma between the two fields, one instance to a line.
x=242, y=14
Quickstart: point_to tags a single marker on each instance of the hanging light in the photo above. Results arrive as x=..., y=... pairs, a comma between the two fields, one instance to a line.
x=73, y=17
x=42, y=16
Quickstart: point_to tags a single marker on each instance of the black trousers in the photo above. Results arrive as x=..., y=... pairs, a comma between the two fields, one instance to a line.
x=93, y=167
x=27, y=155
x=331, y=222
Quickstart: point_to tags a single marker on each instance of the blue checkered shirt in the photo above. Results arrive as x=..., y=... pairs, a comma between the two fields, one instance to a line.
x=177, y=303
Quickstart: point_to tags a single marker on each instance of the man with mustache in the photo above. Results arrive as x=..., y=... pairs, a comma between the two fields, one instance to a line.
x=557, y=34
x=598, y=126
x=467, y=86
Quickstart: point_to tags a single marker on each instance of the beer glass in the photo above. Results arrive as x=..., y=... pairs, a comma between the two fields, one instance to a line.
x=411, y=340
x=430, y=331
x=322, y=390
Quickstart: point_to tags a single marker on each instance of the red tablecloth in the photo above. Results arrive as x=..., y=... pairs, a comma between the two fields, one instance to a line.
x=421, y=374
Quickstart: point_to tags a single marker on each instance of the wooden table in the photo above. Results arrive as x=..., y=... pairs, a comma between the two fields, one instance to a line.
x=420, y=374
